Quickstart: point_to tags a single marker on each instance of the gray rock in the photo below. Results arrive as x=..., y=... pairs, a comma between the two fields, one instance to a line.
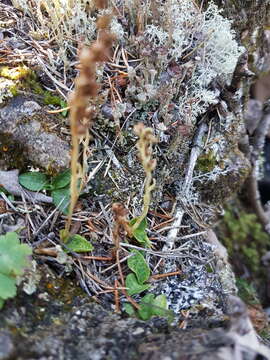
x=88, y=332
x=25, y=132
x=44, y=326
x=7, y=346
x=253, y=115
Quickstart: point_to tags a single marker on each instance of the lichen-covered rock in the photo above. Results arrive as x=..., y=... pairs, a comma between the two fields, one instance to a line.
x=27, y=136
x=251, y=21
x=213, y=186
x=83, y=330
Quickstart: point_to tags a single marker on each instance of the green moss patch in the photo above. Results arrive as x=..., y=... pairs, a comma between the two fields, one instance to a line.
x=25, y=79
x=206, y=162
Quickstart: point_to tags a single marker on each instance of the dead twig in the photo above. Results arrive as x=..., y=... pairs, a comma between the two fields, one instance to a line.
x=162, y=276
x=195, y=152
x=116, y=297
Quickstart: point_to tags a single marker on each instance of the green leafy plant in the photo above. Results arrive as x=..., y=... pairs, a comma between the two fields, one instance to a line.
x=135, y=282
x=138, y=265
x=134, y=287
x=76, y=243
x=140, y=232
x=243, y=234
x=58, y=186
x=151, y=306
x=13, y=261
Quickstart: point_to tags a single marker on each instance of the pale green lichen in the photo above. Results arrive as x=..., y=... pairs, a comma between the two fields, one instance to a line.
x=174, y=30
x=204, y=39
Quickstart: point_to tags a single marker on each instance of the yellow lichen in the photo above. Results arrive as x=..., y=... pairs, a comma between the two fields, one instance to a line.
x=16, y=73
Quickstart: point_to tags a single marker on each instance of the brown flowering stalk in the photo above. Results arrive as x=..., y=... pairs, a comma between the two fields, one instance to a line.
x=81, y=117
x=145, y=148
x=101, y=4
x=120, y=222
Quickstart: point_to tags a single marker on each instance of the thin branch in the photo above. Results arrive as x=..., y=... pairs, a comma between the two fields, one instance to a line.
x=195, y=152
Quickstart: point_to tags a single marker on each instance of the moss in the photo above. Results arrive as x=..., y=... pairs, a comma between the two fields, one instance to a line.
x=63, y=289
x=220, y=185
x=26, y=79
x=31, y=83
x=244, y=237
x=265, y=333
x=247, y=292
x=206, y=162
x=55, y=295
x=50, y=99
x=14, y=90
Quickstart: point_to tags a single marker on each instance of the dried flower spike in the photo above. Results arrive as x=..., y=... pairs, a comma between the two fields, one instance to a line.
x=145, y=148
x=101, y=4
x=81, y=117
x=121, y=222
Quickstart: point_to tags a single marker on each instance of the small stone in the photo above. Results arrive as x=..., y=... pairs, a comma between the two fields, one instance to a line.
x=7, y=347
x=138, y=331
x=30, y=107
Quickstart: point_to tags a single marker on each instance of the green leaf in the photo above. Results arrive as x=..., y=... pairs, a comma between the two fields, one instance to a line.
x=63, y=104
x=7, y=287
x=1, y=303
x=133, y=286
x=129, y=309
x=2, y=189
x=138, y=265
x=145, y=312
x=61, y=180
x=33, y=181
x=78, y=243
x=160, y=305
x=61, y=198
x=151, y=306
x=140, y=233
x=64, y=235
x=13, y=255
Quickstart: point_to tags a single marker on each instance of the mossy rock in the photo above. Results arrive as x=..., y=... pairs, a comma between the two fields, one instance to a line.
x=28, y=128
x=226, y=184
